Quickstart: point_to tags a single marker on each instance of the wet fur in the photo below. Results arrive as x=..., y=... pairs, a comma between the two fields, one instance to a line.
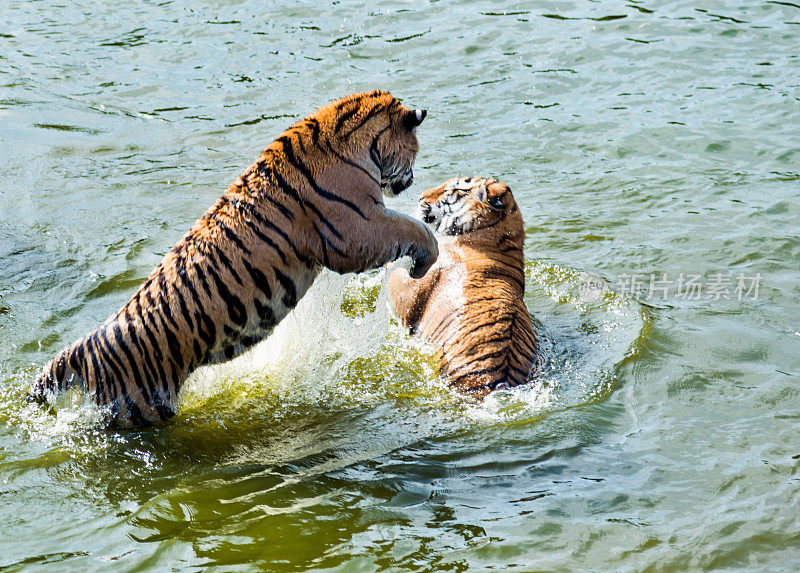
x=471, y=301
x=312, y=199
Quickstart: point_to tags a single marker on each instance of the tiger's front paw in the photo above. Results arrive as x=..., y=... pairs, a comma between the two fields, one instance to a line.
x=423, y=258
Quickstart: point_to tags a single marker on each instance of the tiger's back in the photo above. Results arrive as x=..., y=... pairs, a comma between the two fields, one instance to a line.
x=313, y=199
x=471, y=301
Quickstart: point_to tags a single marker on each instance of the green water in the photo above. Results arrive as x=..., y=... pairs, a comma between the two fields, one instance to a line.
x=648, y=138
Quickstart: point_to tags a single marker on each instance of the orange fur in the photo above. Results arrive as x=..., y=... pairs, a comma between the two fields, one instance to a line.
x=471, y=301
x=311, y=200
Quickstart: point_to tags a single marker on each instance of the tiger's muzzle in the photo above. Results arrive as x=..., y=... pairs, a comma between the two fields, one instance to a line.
x=401, y=184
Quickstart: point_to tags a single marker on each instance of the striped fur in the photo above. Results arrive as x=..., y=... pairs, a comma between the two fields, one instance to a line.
x=471, y=301
x=313, y=199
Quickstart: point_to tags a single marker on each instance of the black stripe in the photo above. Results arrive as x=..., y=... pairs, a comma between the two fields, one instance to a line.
x=510, y=249
x=530, y=338
x=376, y=159
x=104, y=362
x=221, y=257
x=160, y=326
x=369, y=115
x=135, y=413
x=151, y=372
x=290, y=291
x=187, y=317
x=374, y=152
x=198, y=354
x=119, y=339
x=259, y=279
x=145, y=361
x=202, y=276
x=265, y=314
x=445, y=322
x=249, y=341
x=290, y=191
x=343, y=159
x=85, y=358
x=325, y=221
x=515, y=279
x=101, y=394
x=342, y=119
x=154, y=398
x=116, y=362
x=185, y=279
x=512, y=265
x=482, y=299
x=155, y=349
x=163, y=304
x=280, y=206
x=314, y=126
x=524, y=346
x=264, y=220
x=323, y=240
x=295, y=162
x=229, y=351
x=473, y=359
x=453, y=380
x=327, y=244
x=206, y=328
x=299, y=140
x=115, y=381
x=522, y=372
x=76, y=357
x=472, y=330
x=265, y=195
x=175, y=350
x=236, y=309
x=266, y=238
x=230, y=235
x=60, y=367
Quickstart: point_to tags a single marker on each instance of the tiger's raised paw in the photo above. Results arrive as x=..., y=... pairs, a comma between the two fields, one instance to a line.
x=423, y=258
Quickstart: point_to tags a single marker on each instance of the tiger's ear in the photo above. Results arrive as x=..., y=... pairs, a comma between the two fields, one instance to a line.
x=413, y=118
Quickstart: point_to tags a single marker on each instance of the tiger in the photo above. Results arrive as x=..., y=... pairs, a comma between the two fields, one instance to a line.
x=470, y=303
x=312, y=199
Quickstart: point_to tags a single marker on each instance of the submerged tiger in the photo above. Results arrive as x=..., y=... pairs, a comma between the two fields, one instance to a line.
x=471, y=301
x=312, y=199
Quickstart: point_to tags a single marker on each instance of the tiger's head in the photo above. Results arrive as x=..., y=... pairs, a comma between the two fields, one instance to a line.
x=382, y=134
x=396, y=153
x=467, y=204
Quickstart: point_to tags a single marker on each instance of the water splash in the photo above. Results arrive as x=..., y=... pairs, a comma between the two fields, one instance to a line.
x=584, y=334
x=339, y=374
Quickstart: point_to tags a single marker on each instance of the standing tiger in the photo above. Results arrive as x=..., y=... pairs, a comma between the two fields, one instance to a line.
x=311, y=200
x=470, y=302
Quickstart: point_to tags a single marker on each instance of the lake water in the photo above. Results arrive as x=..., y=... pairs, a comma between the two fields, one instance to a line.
x=655, y=151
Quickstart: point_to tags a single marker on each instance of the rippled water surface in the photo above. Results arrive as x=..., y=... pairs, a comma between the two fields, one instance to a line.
x=652, y=146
